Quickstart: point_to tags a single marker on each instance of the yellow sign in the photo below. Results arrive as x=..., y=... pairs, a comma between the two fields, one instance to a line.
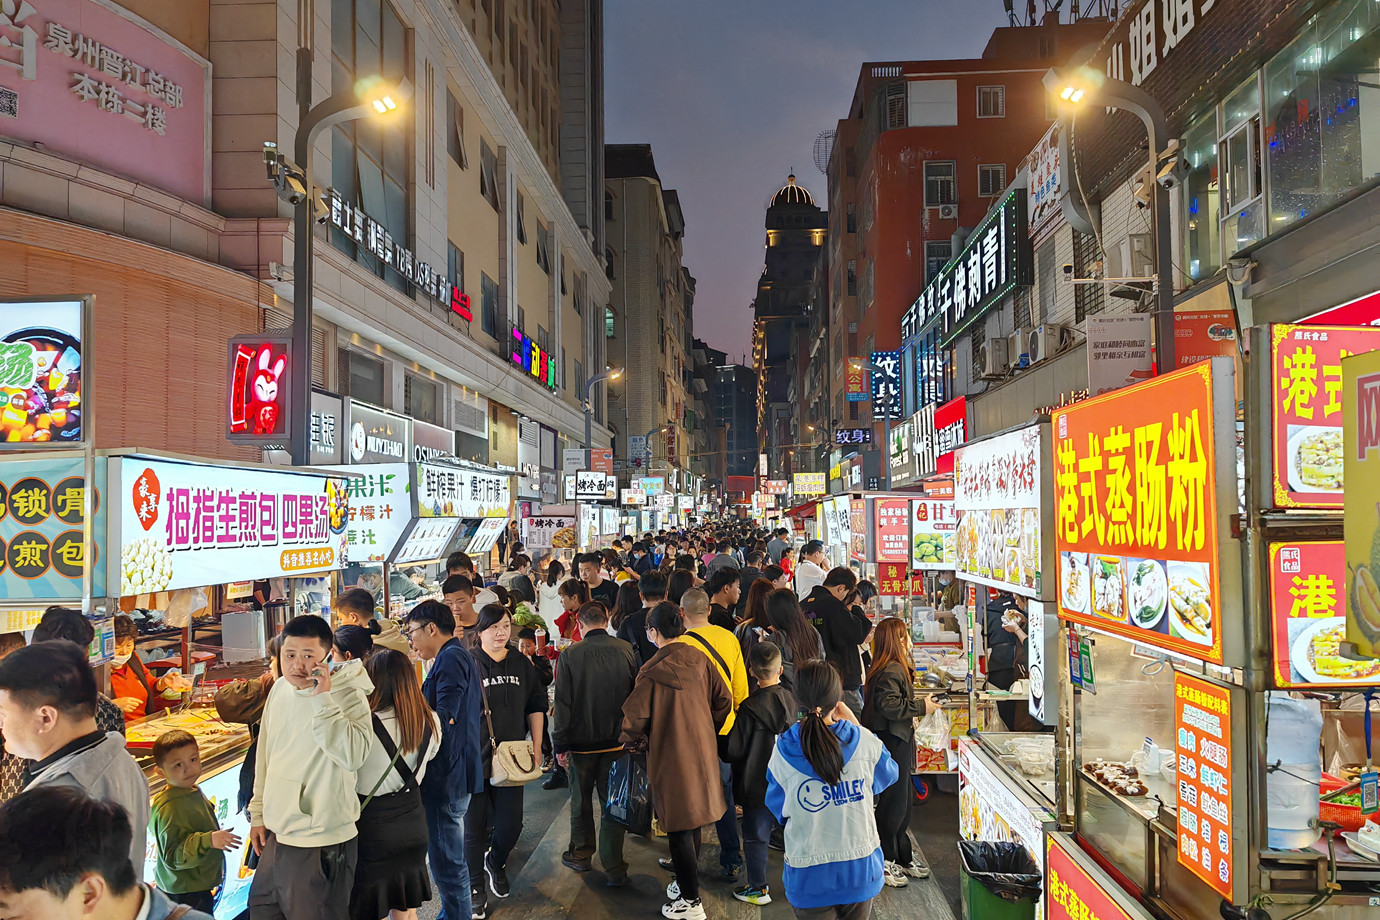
x=1361, y=519
x=809, y=483
x=12, y=621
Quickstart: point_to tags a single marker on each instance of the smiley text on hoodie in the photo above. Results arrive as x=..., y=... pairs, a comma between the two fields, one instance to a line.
x=309, y=749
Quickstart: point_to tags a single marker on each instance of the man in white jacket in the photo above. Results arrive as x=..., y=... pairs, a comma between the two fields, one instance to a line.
x=810, y=573
x=316, y=733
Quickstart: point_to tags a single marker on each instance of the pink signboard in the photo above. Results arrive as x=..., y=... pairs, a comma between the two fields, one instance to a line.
x=97, y=84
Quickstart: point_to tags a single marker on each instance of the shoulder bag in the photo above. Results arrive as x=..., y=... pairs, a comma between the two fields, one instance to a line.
x=513, y=763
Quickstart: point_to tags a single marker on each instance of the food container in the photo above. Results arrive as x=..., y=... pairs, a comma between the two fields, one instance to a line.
x=1348, y=816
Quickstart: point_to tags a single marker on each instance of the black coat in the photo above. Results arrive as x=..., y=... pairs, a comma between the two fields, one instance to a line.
x=889, y=704
x=750, y=574
x=593, y=679
x=748, y=746
x=634, y=632
x=842, y=628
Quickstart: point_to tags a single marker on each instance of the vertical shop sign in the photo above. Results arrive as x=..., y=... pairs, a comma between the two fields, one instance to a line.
x=1202, y=723
x=893, y=579
x=892, y=531
x=42, y=518
x=855, y=380
x=1361, y=524
x=1306, y=365
x=41, y=373
x=933, y=534
x=260, y=410
x=1035, y=657
x=886, y=384
x=1203, y=334
x=380, y=510
x=327, y=429
x=857, y=529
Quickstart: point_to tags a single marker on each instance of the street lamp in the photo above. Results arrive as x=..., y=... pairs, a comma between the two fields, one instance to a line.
x=370, y=97
x=872, y=368
x=589, y=385
x=647, y=444
x=1075, y=86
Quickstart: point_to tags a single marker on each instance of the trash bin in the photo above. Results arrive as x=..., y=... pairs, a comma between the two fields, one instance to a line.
x=997, y=881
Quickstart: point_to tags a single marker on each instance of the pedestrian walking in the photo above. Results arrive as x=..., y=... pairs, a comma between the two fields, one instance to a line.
x=821, y=782
x=674, y=713
x=791, y=632
x=593, y=681
x=633, y=630
x=724, y=588
x=833, y=610
x=809, y=573
x=549, y=606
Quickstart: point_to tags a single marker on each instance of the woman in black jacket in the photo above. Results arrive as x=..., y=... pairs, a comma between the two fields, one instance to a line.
x=515, y=699
x=890, y=709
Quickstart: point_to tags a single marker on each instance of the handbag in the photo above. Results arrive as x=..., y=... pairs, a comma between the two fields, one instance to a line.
x=241, y=701
x=513, y=762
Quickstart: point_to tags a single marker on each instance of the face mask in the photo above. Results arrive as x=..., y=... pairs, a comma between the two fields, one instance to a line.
x=119, y=660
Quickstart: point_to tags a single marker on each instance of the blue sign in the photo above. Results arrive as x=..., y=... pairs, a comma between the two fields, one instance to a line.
x=42, y=517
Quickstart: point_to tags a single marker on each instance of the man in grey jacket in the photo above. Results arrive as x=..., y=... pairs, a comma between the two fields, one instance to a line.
x=48, y=710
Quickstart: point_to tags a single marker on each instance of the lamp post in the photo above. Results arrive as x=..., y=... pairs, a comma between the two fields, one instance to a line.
x=647, y=443
x=872, y=368
x=371, y=96
x=588, y=406
x=1075, y=86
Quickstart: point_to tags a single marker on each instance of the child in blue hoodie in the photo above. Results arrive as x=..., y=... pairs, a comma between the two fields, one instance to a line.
x=821, y=782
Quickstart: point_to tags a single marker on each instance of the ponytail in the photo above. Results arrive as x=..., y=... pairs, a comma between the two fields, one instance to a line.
x=818, y=690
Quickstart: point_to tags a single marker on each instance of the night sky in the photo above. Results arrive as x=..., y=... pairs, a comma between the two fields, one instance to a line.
x=731, y=95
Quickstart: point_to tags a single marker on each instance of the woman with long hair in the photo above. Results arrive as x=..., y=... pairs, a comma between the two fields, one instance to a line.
x=674, y=714
x=549, y=605
x=679, y=582
x=518, y=579
x=629, y=602
x=352, y=642
x=574, y=594
x=390, y=875
x=890, y=709
x=798, y=640
x=514, y=705
x=833, y=862
x=754, y=627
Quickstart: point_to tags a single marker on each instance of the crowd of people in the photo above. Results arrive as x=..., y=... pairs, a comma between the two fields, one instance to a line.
x=733, y=663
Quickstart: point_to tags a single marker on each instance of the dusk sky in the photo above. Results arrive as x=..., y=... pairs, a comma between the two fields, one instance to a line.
x=731, y=95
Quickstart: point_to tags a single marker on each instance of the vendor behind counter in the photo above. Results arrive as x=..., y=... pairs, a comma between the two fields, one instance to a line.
x=137, y=692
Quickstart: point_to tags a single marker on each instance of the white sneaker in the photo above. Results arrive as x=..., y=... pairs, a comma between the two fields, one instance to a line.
x=895, y=876
x=673, y=891
x=681, y=909
x=916, y=869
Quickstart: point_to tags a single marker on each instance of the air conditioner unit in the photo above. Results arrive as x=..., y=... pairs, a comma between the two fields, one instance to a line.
x=1045, y=341
x=948, y=212
x=1017, y=348
x=992, y=358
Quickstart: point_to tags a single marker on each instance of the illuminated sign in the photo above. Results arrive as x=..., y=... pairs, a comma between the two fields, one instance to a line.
x=41, y=373
x=460, y=304
x=375, y=238
x=529, y=356
x=259, y=407
x=853, y=436
x=886, y=384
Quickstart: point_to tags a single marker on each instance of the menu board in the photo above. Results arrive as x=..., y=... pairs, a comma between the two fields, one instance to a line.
x=1308, y=617
x=445, y=491
x=429, y=539
x=380, y=509
x=589, y=526
x=998, y=490
x=1361, y=526
x=857, y=529
x=1136, y=512
x=609, y=522
x=1306, y=365
x=1071, y=892
x=933, y=534
x=546, y=532
x=891, y=529
x=1202, y=728
x=486, y=535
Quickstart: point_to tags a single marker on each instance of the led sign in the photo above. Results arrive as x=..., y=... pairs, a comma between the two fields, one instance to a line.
x=532, y=358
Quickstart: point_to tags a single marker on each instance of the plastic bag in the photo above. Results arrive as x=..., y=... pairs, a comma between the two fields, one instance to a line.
x=630, y=794
x=1005, y=869
x=933, y=732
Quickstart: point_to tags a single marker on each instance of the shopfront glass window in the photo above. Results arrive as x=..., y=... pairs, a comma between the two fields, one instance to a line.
x=1239, y=152
x=1322, y=111
x=1202, y=201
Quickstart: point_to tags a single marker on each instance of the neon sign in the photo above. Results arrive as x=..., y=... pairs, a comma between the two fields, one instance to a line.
x=258, y=389
x=529, y=356
x=460, y=304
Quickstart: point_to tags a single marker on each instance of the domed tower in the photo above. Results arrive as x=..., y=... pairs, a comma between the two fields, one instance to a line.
x=796, y=230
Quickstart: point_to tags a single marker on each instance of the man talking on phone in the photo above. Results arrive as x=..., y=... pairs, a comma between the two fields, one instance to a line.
x=832, y=608
x=315, y=734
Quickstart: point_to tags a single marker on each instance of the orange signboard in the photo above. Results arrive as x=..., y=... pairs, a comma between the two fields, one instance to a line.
x=1136, y=513
x=1070, y=892
x=1308, y=617
x=855, y=388
x=1202, y=334
x=1306, y=366
x=601, y=459
x=1202, y=729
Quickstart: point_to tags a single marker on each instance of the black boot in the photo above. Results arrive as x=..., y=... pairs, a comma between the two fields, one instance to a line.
x=557, y=780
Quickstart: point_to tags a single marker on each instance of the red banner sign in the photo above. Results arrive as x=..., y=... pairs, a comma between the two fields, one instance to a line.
x=891, y=517
x=855, y=381
x=601, y=460
x=1203, y=334
x=893, y=579
x=1202, y=727
x=1073, y=894
x=1306, y=362
x=1308, y=617
x=777, y=486
x=1136, y=513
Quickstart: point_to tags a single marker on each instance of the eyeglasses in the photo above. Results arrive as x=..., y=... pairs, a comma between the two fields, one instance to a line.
x=414, y=630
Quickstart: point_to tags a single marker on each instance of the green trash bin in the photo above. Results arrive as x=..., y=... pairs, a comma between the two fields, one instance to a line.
x=997, y=881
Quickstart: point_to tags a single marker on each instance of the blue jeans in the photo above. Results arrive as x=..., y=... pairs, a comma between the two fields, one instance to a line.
x=730, y=850
x=445, y=823
x=757, y=827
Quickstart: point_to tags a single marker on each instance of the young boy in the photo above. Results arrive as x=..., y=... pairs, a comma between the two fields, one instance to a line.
x=748, y=747
x=183, y=824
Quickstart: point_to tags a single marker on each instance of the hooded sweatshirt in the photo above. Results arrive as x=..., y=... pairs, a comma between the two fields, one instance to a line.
x=309, y=749
x=103, y=769
x=833, y=854
x=389, y=635
x=763, y=716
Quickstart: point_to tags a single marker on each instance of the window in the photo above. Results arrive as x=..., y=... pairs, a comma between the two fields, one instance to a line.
x=608, y=263
x=661, y=335
x=852, y=217
x=455, y=131
x=544, y=247
x=932, y=103
x=608, y=205
x=940, y=185
x=663, y=388
x=1087, y=298
x=488, y=174
x=370, y=164
x=852, y=278
x=543, y=339
x=579, y=376
x=488, y=305
x=937, y=255
x=455, y=266
x=579, y=300
x=991, y=102
x=520, y=318
x=420, y=398
x=853, y=411
x=1238, y=154
x=609, y=329
x=361, y=377
x=521, y=219
x=1202, y=200
x=991, y=180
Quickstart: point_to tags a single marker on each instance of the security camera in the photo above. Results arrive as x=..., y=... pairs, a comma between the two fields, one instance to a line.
x=1068, y=272
x=296, y=190
x=1171, y=174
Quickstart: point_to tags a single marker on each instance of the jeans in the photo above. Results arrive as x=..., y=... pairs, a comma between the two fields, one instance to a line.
x=492, y=824
x=730, y=849
x=757, y=827
x=893, y=803
x=445, y=822
x=685, y=859
x=588, y=773
x=860, y=911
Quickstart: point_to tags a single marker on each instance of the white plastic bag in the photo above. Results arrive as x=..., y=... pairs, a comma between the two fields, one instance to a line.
x=933, y=732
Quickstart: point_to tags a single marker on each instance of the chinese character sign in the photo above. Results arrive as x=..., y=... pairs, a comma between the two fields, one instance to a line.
x=380, y=510
x=1361, y=525
x=777, y=486
x=998, y=492
x=185, y=525
x=886, y=384
x=855, y=380
x=1135, y=483
x=847, y=436
x=891, y=529
x=1308, y=617
x=1120, y=351
x=591, y=484
x=893, y=579
x=1306, y=378
x=1071, y=892
x=809, y=483
x=933, y=534
x=1202, y=730
x=634, y=497
x=857, y=529
x=446, y=491
x=40, y=372
x=42, y=516
x=547, y=532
